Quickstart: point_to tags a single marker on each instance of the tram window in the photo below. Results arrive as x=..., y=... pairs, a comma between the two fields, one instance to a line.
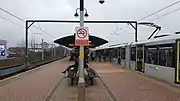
x=110, y=53
x=139, y=53
x=133, y=54
x=151, y=55
x=118, y=52
x=166, y=56
x=145, y=55
x=123, y=53
x=113, y=53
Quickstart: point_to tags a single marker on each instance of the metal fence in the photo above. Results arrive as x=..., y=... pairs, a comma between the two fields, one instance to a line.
x=19, y=68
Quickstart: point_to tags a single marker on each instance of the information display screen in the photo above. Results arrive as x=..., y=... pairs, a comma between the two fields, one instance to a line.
x=2, y=50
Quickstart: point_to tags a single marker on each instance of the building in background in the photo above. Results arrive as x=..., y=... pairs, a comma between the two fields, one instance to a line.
x=46, y=45
x=16, y=52
x=3, y=49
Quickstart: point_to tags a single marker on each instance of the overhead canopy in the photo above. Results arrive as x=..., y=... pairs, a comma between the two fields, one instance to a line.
x=69, y=41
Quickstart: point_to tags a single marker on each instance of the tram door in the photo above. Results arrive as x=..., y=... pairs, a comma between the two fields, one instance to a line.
x=178, y=63
x=140, y=58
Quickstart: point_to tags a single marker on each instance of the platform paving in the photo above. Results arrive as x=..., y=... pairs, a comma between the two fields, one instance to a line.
x=47, y=83
x=130, y=86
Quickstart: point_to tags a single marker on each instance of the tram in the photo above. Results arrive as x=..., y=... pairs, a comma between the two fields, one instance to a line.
x=158, y=57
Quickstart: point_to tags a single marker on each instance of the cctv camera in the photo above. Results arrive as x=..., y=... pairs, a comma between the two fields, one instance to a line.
x=101, y=1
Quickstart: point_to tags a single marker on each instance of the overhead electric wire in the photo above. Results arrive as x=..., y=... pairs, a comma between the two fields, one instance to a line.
x=24, y=21
x=12, y=22
x=165, y=14
x=12, y=14
x=44, y=31
x=39, y=25
x=160, y=10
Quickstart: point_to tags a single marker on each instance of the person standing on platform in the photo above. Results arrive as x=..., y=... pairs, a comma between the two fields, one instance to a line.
x=104, y=55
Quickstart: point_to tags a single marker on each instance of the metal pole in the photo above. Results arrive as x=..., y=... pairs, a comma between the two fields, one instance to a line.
x=52, y=51
x=42, y=49
x=26, y=56
x=81, y=82
x=34, y=47
x=136, y=32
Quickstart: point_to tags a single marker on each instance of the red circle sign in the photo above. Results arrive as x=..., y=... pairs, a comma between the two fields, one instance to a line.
x=81, y=33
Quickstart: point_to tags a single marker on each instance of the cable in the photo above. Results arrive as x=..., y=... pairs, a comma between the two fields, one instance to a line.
x=24, y=21
x=44, y=31
x=116, y=30
x=39, y=25
x=12, y=22
x=160, y=10
x=12, y=14
x=165, y=14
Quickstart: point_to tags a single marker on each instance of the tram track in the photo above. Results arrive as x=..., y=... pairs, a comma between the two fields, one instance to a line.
x=112, y=96
x=109, y=92
x=54, y=90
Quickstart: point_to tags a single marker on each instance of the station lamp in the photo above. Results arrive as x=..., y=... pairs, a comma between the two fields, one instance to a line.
x=85, y=15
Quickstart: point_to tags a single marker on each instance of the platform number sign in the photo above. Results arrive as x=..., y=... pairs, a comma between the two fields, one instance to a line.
x=82, y=36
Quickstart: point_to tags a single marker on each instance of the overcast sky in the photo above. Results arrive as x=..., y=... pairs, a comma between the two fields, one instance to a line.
x=65, y=9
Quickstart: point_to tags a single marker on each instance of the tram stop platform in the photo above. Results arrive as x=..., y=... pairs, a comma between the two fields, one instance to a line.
x=47, y=83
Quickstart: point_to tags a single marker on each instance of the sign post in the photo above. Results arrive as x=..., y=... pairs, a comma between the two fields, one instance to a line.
x=81, y=39
x=81, y=82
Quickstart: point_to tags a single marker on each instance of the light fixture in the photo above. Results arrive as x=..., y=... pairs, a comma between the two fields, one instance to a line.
x=101, y=1
x=76, y=14
x=86, y=15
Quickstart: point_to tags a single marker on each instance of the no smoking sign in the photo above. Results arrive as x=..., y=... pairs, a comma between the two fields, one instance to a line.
x=82, y=36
